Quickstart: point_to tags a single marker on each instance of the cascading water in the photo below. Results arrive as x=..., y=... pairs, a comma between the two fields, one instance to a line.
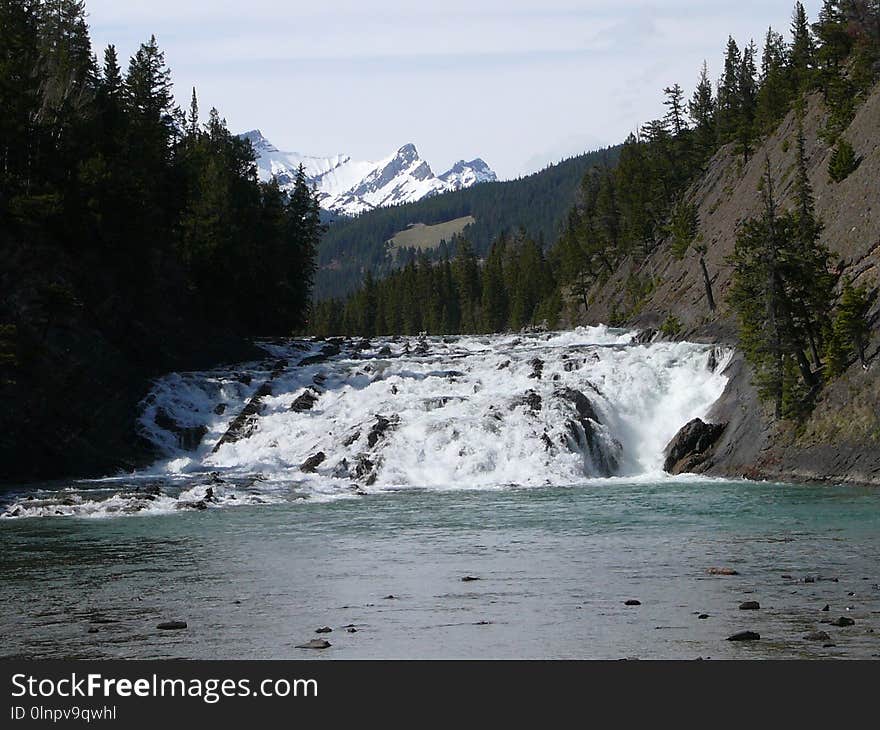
x=324, y=421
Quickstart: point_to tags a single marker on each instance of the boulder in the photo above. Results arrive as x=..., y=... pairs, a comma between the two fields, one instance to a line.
x=749, y=606
x=843, y=621
x=691, y=445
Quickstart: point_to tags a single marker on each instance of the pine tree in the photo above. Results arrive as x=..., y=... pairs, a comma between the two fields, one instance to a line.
x=701, y=110
x=747, y=93
x=774, y=93
x=728, y=113
x=192, y=120
x=19, y=94
x=674, y=102
x=802, y=56
x=843, y=161
x=851, y=330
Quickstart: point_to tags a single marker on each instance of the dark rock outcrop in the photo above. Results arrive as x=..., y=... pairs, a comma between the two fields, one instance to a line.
x=581, y=403
x=691, y=445
x=537, y=368
x=530, y=400
x=188, y=439
x=583, y=433
x=379, y=429
x=310, y=465
x=305, y=402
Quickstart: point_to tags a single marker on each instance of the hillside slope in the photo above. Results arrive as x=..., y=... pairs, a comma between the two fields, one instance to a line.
x=841, y=440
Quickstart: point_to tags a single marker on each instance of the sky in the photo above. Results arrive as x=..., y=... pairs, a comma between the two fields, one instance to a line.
x=520, y=83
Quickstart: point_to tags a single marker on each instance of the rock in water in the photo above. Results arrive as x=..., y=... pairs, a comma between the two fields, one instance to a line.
x=315, y=644
x=379, y=430
x=749, y=606
x=537, y=368
x=188, y=439
x=172, y=625
x=581, y=403
x=305, y=402
x=745, y=636
x=324, y=630
x=632, y=602
x=690, y=446
x=817, y=636
x=313, y=462
x=722, y=571
x=843, y=621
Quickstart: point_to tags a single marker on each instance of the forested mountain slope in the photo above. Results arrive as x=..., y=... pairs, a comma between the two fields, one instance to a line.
x=537, y=203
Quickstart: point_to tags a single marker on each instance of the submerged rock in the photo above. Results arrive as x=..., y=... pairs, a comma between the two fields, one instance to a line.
x=745, y=636
x=315, y=644
x=843, y=621
x=324, y=630
x=172, y=625
x=632, y=602
x=817, y=636
x=722, y=571
x=690, y=446
x=749, y=606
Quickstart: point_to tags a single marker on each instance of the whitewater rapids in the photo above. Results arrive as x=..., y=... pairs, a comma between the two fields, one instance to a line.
x=322, y=421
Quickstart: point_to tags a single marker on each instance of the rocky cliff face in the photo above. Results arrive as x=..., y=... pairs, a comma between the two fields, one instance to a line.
x=841, y=440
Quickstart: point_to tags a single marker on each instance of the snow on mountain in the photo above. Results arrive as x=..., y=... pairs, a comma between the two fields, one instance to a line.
x=351, y=187
x=464, y=174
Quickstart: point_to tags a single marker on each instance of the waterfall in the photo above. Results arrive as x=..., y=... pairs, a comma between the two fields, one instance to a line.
x=323, y=421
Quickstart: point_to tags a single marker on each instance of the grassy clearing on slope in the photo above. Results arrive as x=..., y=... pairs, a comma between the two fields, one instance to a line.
x=423, y=237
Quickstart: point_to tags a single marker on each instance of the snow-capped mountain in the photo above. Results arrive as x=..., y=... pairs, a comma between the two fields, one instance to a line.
x=351, y=187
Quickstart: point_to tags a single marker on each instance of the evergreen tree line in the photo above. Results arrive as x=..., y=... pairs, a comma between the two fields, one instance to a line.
x=628, y=210
x=101, y=164
x=512, y=288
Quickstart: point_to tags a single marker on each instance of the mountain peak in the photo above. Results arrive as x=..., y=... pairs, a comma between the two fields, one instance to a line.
x=351, y=187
